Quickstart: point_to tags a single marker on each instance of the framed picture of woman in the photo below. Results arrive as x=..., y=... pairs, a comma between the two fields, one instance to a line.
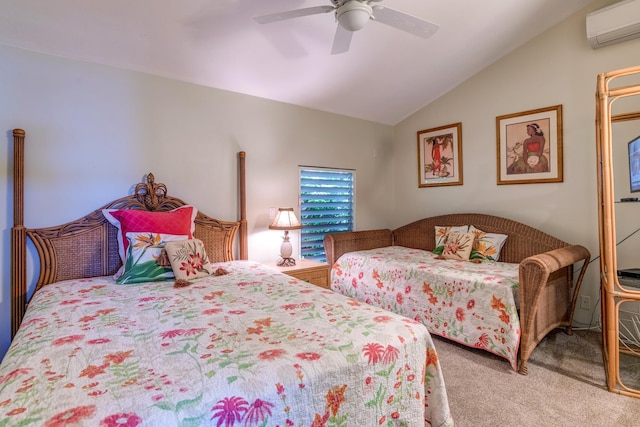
x=440, y=156
x=530, y=146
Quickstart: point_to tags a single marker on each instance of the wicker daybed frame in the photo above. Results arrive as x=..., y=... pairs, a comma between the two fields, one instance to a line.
x=88, y=247
x=545, y=273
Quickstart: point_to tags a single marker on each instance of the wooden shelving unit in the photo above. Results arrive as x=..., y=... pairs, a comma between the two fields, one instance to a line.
x=611, y=87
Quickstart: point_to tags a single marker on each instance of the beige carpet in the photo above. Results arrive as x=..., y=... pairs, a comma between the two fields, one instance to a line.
x=565, y=387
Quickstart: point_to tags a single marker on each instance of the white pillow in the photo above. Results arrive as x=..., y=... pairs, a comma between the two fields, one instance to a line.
x=442, y=231
x=486, y=246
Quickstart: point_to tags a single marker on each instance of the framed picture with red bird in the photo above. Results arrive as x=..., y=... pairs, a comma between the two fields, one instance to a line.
x=440, y=156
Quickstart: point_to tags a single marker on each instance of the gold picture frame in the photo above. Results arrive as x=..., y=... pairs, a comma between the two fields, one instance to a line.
x=529, y=146
x=440, y=156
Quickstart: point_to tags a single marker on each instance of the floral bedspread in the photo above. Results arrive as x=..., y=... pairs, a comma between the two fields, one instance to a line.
x=473, y=304
x=249, y=348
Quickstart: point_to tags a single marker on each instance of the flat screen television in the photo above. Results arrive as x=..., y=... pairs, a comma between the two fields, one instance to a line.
x=634, y=164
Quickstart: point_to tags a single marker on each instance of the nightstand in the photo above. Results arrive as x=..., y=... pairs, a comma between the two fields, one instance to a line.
x=316, y=273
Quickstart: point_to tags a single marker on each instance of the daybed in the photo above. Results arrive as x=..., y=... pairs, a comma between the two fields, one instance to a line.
x=496, y=306
x=241, y=345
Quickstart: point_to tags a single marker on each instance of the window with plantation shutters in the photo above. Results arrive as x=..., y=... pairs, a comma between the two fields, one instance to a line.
x=326, y=206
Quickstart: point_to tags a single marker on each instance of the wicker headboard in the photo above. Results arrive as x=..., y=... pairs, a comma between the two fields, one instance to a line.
x=523, y=241
x=88, y=247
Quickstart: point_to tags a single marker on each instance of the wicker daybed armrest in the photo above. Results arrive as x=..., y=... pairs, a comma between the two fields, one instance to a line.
x=340, y=243
x=538, y=272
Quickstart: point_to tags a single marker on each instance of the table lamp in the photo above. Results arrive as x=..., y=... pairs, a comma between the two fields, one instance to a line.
x=286, y=220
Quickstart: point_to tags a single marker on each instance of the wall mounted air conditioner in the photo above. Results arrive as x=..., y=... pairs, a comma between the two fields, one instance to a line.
x=614, y=24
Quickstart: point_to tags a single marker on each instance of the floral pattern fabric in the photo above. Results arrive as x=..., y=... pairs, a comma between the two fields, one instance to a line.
x=471, y=303
x=253, y=347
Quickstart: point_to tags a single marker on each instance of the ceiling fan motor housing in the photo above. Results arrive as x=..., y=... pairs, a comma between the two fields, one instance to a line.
x=353, y=15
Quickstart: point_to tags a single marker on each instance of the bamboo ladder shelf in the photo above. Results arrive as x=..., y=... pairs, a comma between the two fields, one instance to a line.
x=613, y=294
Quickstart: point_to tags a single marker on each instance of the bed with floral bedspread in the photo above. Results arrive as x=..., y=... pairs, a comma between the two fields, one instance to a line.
x=471, y=303
x=252, y=347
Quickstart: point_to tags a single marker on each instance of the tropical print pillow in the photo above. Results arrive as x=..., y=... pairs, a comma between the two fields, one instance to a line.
x=177, y=221
x=486, y=246
x=188, y=259
x=144, y=250
x=458, y=246
x=442, y=231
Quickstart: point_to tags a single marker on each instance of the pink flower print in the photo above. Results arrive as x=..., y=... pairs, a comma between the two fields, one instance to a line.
x=197, y=260
x=172, y=333
x=67, y=340
x=16, y=411
x=189, y=268
x=373, y=352
x=460, y=314
x=228, y=411
x=390, y=355
x=399, y=298
x=483, y=341
x=271, y=354
x=308, y=355
x=99, y=341
x=14, y=374
x=257, y=412
x=121, y=420
x=71, y=416
x=193, y=332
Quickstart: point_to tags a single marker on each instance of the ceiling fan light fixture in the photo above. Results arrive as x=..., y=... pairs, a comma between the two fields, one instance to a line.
x=353, y=15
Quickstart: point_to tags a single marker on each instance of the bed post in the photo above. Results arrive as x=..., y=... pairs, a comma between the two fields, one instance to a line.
x=244, y=252
x=18, y=236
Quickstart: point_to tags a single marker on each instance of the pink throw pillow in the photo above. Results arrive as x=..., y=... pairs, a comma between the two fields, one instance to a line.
x=178, y=221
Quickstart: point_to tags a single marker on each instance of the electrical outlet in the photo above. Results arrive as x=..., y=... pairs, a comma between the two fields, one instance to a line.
x=272, y=213
x=585, y=302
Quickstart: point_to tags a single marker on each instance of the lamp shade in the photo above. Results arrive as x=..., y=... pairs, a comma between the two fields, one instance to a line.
x=285, y=220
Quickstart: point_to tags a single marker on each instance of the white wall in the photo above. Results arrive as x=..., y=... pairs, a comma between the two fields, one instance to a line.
x=94, y=131
x=558, y=67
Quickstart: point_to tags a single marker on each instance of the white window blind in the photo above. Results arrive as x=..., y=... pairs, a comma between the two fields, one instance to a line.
x=326, y=206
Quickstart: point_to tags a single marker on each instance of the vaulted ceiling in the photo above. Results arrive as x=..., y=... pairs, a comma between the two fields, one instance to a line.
x=386, y=75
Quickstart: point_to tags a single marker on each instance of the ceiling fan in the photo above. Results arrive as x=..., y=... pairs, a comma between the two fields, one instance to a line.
x=352, y=15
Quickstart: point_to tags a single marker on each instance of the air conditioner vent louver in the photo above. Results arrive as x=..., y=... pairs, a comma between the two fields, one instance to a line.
x=614, y=24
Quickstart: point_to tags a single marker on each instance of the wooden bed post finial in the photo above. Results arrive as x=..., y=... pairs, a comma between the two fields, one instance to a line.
x=244, y=250
x=18, y=236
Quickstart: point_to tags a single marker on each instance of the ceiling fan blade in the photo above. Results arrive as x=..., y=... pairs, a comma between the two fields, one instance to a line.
x=281, y=16
x=404, y=22
x=341, y=41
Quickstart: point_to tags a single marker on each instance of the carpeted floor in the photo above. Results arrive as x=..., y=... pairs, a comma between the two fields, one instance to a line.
x=566, y=386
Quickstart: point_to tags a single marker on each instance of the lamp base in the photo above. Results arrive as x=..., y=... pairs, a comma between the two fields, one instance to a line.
x=286, y=262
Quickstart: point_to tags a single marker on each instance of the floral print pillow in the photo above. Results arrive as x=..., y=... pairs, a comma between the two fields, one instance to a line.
x=188, y=259
x=487, y=246
x=441, y=235
x=144, y=257
x=458, y=246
